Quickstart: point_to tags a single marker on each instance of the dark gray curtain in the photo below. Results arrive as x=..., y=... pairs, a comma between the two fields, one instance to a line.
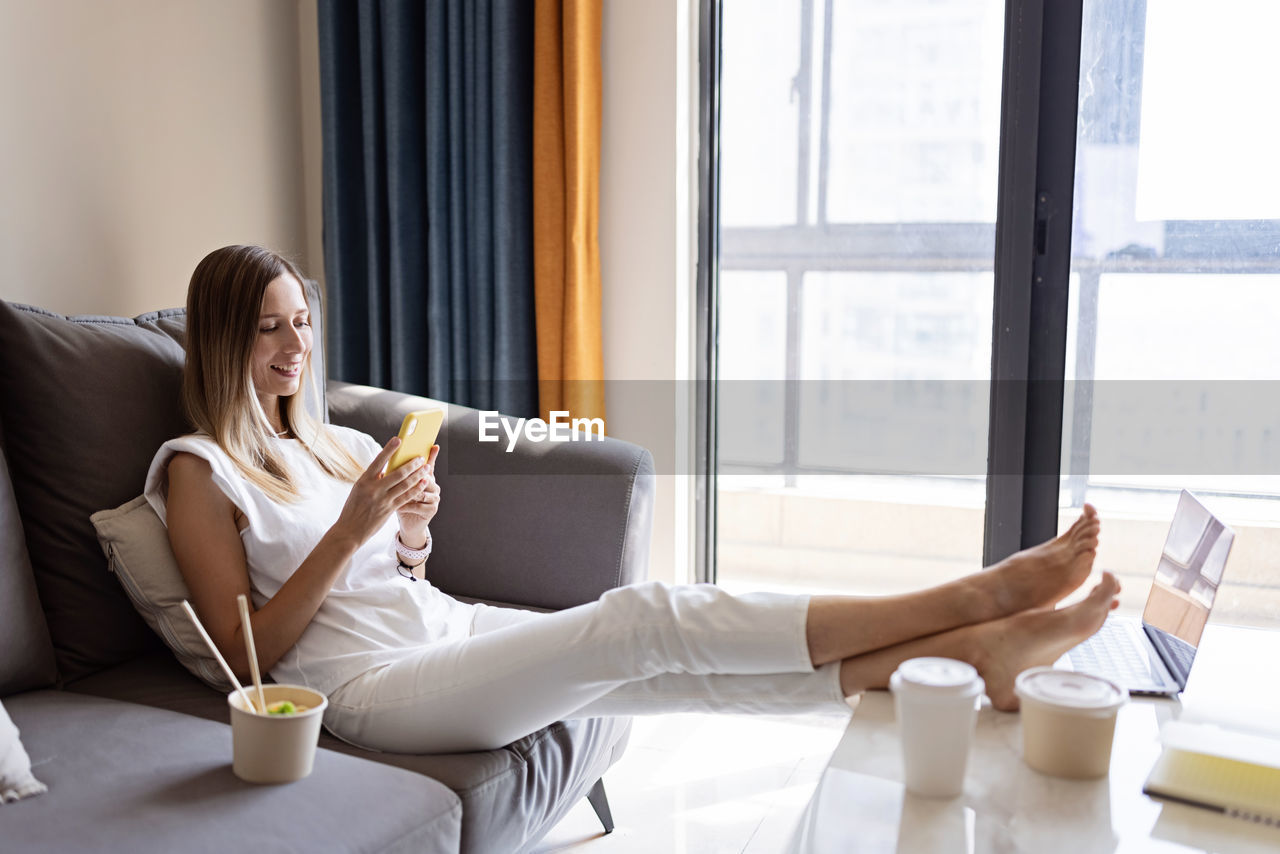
x=428, y=197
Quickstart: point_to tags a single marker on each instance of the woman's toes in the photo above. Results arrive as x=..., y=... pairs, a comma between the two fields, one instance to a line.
x=1109, y=585
x=1100, y=592
x=1102, y=598
x=1086, y=538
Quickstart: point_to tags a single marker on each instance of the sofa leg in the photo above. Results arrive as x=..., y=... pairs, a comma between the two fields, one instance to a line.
x=600, y=803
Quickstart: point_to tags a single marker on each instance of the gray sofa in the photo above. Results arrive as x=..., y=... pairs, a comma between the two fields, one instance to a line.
x=136, y=751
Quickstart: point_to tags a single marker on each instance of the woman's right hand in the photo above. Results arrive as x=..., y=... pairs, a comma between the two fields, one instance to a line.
x=375, y=496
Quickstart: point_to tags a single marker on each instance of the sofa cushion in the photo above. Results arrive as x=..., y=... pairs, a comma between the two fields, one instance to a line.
x=510, y=796
x=124, y=777
x=93, y=400
x=27, y=661
x=136, y=543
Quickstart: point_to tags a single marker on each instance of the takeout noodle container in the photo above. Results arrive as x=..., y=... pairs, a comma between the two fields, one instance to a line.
x=1068, y=721
x=275, y=748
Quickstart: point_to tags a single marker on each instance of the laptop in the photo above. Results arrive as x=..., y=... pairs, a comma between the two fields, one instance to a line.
x=1153, y=655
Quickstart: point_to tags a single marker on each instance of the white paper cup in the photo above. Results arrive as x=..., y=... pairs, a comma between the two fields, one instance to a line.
x=275, y=748
x=1068, y=721
x=936, y=700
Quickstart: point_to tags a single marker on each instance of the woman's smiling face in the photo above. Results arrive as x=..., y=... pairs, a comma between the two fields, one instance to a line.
x=283, y=343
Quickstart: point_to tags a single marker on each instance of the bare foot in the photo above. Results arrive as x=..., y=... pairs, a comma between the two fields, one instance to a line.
x=1039, y=577
x=1004, y=648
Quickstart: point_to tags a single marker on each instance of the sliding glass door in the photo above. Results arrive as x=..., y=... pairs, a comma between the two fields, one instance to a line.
x=975, y=262
x=858, y=160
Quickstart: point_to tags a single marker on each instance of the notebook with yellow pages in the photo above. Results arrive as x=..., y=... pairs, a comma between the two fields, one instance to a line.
x=1231, y=772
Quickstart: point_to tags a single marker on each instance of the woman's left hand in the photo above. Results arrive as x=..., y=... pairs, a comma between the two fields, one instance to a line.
x=421, y=507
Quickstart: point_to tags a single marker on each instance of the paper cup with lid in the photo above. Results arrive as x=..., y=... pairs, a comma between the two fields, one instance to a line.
x=1068, y=721
x=936, y=700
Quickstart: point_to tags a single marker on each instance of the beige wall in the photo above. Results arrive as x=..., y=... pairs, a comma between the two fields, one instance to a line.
x=137, y=135
x=647, y=251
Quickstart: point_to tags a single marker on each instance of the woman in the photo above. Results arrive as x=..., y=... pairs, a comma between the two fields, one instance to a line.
x=268, y=501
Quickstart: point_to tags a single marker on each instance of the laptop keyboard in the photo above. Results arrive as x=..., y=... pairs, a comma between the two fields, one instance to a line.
x=1180, y=652
x=1112, y=654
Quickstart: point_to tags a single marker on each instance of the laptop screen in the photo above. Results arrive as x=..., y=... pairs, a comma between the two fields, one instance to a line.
x=1186, y=582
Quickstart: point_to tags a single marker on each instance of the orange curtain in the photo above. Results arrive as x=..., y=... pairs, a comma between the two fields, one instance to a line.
x=566, y=206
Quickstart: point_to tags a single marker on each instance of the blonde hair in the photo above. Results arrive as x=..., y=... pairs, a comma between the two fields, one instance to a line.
x=224, y=301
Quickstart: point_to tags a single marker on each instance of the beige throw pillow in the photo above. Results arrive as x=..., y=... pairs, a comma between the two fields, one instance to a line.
x=137, y=547
x=16, y=780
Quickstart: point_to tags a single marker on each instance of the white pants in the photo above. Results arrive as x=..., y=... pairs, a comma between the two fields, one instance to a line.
x=644, y=649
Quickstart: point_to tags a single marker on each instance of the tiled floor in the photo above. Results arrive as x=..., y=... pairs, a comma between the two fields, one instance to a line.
x=690, y=784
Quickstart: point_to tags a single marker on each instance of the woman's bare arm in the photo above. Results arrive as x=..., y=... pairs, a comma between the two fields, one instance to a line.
x=206, y=542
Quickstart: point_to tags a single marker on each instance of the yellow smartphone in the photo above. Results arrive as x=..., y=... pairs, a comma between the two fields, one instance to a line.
x=418, y=433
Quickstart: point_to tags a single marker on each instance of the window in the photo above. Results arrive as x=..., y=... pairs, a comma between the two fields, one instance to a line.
x=858, y=172
x=876, y=222
x=1175, y=281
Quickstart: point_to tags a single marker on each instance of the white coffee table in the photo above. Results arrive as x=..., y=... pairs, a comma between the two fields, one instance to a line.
x=860, y=804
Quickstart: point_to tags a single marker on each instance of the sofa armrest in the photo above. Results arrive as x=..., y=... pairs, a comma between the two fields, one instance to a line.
x=547, y=525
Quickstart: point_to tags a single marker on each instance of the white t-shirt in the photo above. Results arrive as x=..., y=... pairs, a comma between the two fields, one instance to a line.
x=372, y=615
